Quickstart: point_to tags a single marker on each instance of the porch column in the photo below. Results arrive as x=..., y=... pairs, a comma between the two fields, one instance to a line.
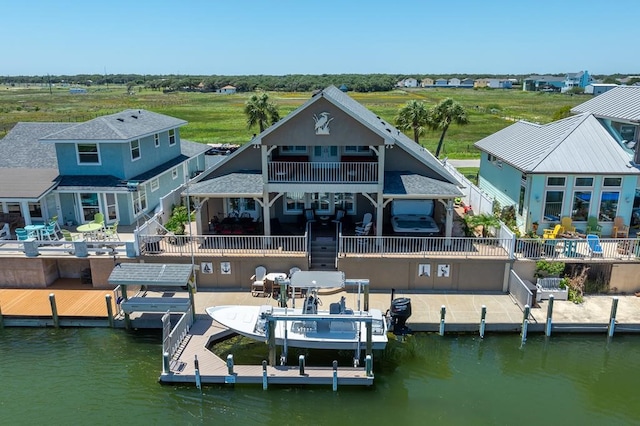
x=24, y=208
x=379, y=200
x=266, y=215
x=449, y=219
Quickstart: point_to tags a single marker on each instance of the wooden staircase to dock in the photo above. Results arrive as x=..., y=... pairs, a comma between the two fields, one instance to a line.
x=323, y=250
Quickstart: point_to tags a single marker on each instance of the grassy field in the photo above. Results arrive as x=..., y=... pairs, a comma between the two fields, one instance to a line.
x=215, y=118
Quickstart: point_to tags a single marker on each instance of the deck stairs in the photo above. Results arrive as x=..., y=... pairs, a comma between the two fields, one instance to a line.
x=323, y=250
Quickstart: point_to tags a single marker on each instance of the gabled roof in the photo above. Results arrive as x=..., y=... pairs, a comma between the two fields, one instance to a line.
x=578, y=144
x=247, y=183
x=122, y=126
x=20, y=147
x=620, y=103
x=360, y=113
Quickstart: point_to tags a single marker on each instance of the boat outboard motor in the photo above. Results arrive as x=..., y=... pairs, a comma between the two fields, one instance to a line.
x=400, y=312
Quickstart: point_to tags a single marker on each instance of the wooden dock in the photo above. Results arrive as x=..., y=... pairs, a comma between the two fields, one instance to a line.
x=214, y=370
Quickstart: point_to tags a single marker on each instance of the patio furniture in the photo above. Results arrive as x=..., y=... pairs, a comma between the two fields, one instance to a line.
x=593, y=227
x=567, y=224
x=620, y=229
x=91, y=229
x=111, y=232
x=552, y=233
x=310, y=215
x=5, y=231
x=68, y=237
x=258, y=284
x=35, y=231
x=593, y=242
x=99, y=218
x=22, y=234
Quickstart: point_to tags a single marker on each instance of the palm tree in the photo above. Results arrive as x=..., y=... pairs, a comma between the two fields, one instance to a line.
x=261, y=111
x=442, y=115
x=414, y=115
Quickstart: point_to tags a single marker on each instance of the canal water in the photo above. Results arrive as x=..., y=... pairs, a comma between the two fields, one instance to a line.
x=103, y=376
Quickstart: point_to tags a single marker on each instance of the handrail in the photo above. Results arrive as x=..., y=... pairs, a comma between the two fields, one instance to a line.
x=307, y=235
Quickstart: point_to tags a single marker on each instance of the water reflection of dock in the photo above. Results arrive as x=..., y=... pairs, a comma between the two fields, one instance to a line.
x=213, y=370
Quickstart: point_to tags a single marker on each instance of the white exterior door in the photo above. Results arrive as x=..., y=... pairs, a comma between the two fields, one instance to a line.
x=325, y=153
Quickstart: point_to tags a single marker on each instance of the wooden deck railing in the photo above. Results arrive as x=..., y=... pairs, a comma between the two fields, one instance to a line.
x=323, y=172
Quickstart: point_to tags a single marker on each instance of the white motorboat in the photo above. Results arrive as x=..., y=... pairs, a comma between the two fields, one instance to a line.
x=309, y=326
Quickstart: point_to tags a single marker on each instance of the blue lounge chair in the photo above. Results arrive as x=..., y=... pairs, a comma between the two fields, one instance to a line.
x=593, y=241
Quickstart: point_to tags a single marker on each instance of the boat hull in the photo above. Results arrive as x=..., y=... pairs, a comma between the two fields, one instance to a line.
x=321, y=331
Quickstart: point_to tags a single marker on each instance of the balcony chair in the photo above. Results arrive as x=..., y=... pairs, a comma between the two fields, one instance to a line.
x=99, y=218
x=593, y=227
x=111, y=232
x=68, y=237
x=593, y=243
x=567, y=224
x=552, y=233
x=49, y=232
x=365, y=219
x=22, y=234
x=258, y=282
x=309, y=215
x=620, y=229
x=363, y=230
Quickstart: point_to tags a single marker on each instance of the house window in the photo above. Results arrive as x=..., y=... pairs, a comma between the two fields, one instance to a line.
x=294, y=203
x=290, y=149
x=174, y=173
x=321, y=202
x=154, y=184
x=239, y=207
x=627, y=132
x=612, y=181
x=35, y=210
x=521, y=199
x=553, y=205
x=608, y=206
x=345, y=201
x=156, y=140
x=353, y=149
x=88, y=153
x=90, y=205
x=555, y=181
x=139, y=200
x=112, y=207
x=581, y=205
x=172, y=137
x=584, y=181
x=494, y=160
x=135, y=149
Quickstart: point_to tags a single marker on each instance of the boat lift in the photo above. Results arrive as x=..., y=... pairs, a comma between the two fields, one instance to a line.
x=314, y=280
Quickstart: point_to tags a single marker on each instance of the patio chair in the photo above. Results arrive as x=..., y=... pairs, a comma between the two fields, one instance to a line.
x=340, y=213
x=552, y=233
x=258, y=282
x=49, y=232
x=309, y=215
x=620, y=229
x=68, y=237
x=54, y=221
x=99, y=218
x=363, y=230
x=365, y=219
x=567, y=224
x=22, y=234
x=593, y=227
x=593, y=242
x=111, y=232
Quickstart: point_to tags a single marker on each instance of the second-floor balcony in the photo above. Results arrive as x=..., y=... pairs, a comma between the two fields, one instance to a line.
x=323, y=172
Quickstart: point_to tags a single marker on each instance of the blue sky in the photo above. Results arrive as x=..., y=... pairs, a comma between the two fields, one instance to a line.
x=412, y=37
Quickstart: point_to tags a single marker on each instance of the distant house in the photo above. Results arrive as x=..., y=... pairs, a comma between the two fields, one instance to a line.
x=408, y=82
x=425, y=82
x=544, y=83
x=441, y=82
x=344, y=88
x=596, y=89
x=120, y=165
x=495, y=83
x=580, y=79
x=466, y=82
x=453, y=82
x=77, y=90
x=227, y=90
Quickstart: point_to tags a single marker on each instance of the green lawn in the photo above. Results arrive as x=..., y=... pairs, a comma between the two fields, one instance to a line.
x=215, y=118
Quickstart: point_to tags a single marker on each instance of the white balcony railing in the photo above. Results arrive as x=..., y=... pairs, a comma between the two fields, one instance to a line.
x=323, y=172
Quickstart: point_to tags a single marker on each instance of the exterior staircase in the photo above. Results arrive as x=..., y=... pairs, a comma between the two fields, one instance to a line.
x=323, y=251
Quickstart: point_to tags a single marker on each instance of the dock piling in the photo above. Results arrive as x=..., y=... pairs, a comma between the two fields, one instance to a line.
x=196, y=365
x=547, y=330
x=301, y=364
x=525, y=323
x=230, y=364
x=443, y=312
x=264, y=374
x=166, y=369
x=109, y=310
x=368, y=362
x=335, y=376
x=612, y=317
x=483, y=316
x=54, y=310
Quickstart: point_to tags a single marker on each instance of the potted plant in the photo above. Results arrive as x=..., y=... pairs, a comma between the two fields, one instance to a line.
x=176, y=223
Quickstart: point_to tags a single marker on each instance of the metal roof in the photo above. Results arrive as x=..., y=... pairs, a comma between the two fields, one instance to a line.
x=621, y=103
x=160, y=274
x=122, y=126
x=578, y=144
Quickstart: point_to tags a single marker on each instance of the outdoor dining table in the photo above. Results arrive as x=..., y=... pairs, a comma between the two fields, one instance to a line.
x=92, y=229
x=35, y=231
x=570, y=242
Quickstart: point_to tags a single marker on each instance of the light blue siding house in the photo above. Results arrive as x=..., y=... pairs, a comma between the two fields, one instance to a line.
x=119, y=164
x=569, y=168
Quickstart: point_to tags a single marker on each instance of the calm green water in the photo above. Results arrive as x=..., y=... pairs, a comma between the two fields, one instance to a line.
x=101, y=376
